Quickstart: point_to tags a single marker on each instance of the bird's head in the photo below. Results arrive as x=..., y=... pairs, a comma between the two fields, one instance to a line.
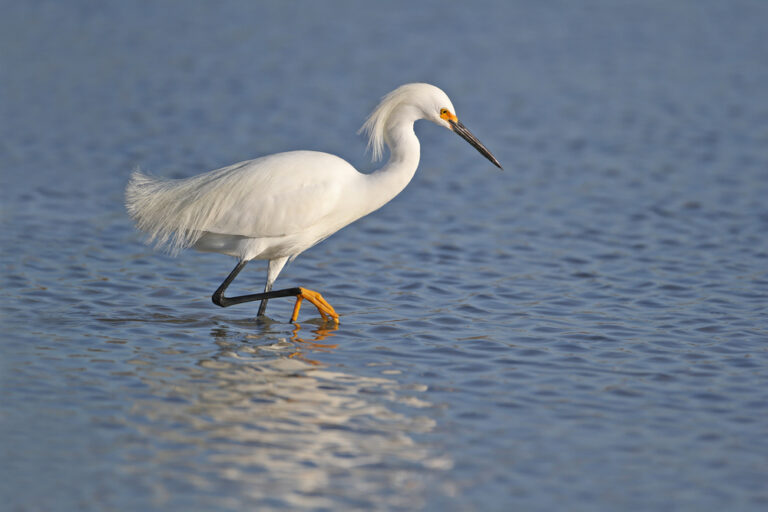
x=418, y=101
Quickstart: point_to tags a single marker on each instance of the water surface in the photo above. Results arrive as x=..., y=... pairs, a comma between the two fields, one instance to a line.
x=585, y=330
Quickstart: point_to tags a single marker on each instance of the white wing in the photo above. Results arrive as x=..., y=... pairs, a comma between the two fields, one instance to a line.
x=275, y=195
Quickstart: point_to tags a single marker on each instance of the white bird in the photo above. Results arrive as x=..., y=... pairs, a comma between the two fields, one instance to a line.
x=278, y=206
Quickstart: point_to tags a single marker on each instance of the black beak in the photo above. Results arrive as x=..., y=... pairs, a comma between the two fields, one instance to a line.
x=465, y=134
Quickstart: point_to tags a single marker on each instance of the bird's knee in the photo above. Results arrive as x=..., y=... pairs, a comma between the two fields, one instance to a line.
x=218, y=299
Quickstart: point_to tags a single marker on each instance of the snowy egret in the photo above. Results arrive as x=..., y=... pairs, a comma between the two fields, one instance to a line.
x=277, y=206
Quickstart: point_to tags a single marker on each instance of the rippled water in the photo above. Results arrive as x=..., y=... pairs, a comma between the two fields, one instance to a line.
x=585, y=330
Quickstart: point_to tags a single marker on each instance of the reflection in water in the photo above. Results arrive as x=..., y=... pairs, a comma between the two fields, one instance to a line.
x=269, y=424
x=319, y=334
x=299, y=342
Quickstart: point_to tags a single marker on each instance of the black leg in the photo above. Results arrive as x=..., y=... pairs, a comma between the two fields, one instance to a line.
x=220, y=300
x=263, y=305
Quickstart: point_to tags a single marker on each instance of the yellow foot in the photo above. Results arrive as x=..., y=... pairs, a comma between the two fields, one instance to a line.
x=315, y=298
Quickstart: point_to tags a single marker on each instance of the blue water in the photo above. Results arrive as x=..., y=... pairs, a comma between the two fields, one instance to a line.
x=585, y=330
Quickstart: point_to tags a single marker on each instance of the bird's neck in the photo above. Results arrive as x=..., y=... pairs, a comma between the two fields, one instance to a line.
x=404, y=151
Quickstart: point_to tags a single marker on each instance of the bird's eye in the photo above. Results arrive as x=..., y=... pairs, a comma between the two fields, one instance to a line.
x=443, y=111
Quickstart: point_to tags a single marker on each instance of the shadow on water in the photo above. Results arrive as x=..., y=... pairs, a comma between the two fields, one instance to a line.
x=262, y=417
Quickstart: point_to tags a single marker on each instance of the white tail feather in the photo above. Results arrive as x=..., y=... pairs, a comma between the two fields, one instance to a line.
x=173, y=213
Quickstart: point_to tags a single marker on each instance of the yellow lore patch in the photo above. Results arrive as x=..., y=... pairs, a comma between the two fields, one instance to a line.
x=448, y=115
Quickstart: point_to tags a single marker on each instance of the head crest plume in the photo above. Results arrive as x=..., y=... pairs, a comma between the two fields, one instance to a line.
x=375, y=126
